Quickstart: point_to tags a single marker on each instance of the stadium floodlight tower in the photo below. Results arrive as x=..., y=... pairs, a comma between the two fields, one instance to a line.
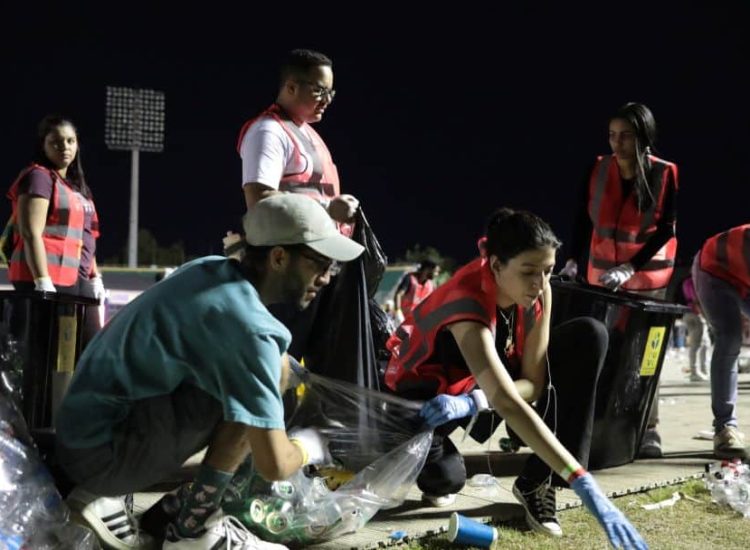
x=135, y=123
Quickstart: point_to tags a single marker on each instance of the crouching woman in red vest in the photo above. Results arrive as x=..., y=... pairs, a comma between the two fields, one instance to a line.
x=54, y=221
x=482, y=340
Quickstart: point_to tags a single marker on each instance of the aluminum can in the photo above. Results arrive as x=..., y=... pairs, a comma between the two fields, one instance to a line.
x=283, y=489
x=277, y=522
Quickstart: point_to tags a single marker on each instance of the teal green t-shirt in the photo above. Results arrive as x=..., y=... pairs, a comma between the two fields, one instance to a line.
x=203, y=325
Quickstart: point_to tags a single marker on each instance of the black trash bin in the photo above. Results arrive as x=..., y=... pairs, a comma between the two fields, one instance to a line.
x=41, y=342
x=639, y=330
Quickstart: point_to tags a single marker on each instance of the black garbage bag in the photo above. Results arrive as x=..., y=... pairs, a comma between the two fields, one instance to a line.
x=383, y=326
x=373, y=258
x=341, y=343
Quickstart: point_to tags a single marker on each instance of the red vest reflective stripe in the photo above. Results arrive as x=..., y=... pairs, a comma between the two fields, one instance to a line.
x=468, y=296
x=416, y=293
x=62, y=234
x=727, y=256
x=320, y=179
x=620, y=229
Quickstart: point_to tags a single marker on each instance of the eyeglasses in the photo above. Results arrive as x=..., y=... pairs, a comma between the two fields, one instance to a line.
x=322, y=264
x=320, y=92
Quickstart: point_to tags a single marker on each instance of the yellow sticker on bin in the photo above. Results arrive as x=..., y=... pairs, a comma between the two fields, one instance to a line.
x=66, y=343
x=652, y=351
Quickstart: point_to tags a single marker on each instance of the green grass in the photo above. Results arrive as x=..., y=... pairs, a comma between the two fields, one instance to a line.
x=692, y=523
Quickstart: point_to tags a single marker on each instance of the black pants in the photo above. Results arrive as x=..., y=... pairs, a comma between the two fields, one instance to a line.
x=577, y=349
x=82, y=287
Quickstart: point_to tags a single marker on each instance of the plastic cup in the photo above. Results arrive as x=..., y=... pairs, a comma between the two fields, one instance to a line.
x=462, y=530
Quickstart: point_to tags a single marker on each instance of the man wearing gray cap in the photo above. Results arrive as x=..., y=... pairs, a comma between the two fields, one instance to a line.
x=196, y=361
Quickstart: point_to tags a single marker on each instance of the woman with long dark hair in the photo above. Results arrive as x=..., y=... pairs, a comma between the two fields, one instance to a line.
x=625, y=230
x=55, y=221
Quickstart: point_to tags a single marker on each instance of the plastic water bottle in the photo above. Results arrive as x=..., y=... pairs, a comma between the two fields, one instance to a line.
x=729, y=484
x=739, y=489
x=481, y=480
x=738, y=496
x=714, y=480
x=10, y=541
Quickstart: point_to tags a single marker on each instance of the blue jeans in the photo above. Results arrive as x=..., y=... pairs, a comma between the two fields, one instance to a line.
x=722, y=306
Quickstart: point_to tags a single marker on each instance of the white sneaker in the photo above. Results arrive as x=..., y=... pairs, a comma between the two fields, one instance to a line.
x=110, y=518
x=439, y=501
x=730, y=443
x=222, y=532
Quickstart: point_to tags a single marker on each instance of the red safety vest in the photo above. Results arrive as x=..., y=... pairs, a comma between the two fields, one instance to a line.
x=320, y=179
x=727, y=256
x=468, y=296
x=620, y=229
x=62, y=234
x=416, y=293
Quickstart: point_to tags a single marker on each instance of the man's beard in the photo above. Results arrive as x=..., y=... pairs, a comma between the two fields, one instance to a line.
x=293, y=293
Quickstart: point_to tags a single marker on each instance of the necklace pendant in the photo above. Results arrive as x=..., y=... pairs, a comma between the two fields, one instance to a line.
x=509, y=345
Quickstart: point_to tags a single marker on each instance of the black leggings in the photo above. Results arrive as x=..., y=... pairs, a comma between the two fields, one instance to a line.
x=577, y=349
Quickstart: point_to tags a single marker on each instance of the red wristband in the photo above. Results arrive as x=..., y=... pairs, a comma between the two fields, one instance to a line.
x=575, y=475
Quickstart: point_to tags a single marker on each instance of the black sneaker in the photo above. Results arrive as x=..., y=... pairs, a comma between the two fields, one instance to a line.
x=155, y=520
x=650, y=444
x=540, y=504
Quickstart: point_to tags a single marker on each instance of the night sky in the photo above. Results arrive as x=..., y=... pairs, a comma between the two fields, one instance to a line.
x=440, y=115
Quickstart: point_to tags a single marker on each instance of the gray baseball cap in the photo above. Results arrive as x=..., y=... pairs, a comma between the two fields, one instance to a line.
x=290, y=218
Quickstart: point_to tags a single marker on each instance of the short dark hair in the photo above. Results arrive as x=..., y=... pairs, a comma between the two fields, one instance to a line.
x=298, y=64
x=511, y=232
x=253, y=263
x=427, y=264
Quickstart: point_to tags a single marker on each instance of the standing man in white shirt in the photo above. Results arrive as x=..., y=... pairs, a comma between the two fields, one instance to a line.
x=281, y=152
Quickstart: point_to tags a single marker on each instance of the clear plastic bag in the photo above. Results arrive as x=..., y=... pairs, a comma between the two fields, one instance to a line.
x=378, y=445
x=361, y=424
x=33, y=514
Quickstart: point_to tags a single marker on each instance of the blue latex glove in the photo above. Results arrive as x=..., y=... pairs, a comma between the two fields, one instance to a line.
x=620, y=532
x=444, y=408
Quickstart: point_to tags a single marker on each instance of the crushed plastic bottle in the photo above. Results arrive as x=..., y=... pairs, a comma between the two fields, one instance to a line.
x=729, y=484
